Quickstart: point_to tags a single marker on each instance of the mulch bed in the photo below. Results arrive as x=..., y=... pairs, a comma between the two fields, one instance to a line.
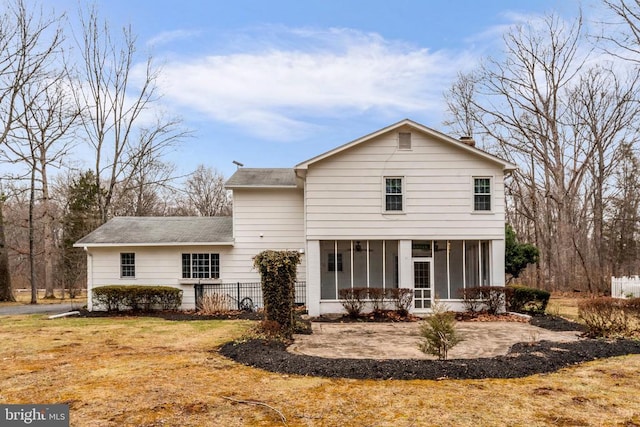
x=522, y=360
x=176, y=315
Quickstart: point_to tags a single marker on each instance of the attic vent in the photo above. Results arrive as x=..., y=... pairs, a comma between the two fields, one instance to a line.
x=404, y=141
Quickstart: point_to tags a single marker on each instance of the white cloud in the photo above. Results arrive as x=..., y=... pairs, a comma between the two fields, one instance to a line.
x=269, y=87
x=171, y=36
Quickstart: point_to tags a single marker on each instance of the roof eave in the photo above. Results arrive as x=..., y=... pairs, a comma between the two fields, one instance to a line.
x=147, y=244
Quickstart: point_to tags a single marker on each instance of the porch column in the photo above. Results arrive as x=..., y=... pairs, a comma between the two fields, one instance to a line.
x=405, y=264
x=313, y=277
x=497, y=264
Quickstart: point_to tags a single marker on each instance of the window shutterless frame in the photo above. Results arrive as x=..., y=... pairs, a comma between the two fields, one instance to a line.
x=127, y=265
x=393, y=194
x=482, y=193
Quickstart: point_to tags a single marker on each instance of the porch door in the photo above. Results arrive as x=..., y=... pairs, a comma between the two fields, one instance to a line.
x=422, y=284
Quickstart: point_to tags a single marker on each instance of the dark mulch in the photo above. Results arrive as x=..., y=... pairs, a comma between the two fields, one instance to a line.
x=556, y=323
x=176, y=315
x=523, y=359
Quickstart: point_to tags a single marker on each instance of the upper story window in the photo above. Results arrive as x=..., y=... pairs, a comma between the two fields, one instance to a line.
x=393, y=194
x=404, y=140
x=200, y=266
x=127, y=264
x=482, y=194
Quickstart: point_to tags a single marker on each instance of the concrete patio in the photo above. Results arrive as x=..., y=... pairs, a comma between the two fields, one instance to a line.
x=400, y=340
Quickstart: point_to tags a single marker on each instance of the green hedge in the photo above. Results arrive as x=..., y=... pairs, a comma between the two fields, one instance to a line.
x=523, y=299
x=136, y=297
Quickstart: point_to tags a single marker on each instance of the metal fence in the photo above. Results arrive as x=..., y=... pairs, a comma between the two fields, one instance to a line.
x=241, y=295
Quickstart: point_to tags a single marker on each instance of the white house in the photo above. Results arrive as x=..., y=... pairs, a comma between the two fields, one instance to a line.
x=405, y=206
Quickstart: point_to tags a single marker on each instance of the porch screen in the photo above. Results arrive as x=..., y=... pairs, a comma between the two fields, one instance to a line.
x=362, y=263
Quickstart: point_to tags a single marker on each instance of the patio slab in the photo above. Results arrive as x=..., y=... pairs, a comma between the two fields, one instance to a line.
x=400, y=340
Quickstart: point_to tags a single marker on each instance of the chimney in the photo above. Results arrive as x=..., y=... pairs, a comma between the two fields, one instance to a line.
x=468, y=140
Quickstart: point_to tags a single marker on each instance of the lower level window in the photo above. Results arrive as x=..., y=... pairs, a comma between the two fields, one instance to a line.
x=127, y=264
x=200, y=266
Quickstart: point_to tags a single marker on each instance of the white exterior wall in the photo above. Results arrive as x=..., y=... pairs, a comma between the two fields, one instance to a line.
x=344, y=200
x=344, y=193
x=155, y=266
x=265, y=219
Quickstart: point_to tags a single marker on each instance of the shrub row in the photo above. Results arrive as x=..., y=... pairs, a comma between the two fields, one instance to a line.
x=523, y=299
x=610, y=317
x=137, y=297
x=354, y=300
x=520, y=299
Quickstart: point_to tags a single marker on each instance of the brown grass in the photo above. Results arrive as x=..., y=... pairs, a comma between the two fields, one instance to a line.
x=152, y=372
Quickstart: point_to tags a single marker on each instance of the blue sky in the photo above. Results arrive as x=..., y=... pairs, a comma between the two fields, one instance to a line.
x=273, y=83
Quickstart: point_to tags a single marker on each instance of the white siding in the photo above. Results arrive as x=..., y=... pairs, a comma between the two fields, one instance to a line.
x=155, y=266
x=344, y=193
x=265, y=219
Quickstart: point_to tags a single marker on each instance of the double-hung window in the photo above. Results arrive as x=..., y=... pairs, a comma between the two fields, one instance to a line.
x=200, y=266
x=393, y=194
x=482, y=194
x=127, y=264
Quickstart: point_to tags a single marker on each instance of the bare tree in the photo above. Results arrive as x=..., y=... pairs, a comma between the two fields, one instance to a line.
x=28, y=41
x=206, y=195
x=623, y=35
x=562, y=122
x=116, y=107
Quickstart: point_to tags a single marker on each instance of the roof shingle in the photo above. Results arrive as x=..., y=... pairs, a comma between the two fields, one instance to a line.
x=160, y=230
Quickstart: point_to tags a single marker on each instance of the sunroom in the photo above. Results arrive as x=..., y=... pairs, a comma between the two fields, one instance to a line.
x=434, y=269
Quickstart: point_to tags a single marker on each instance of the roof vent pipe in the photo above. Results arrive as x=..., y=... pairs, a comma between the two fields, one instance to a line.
x=468, y=140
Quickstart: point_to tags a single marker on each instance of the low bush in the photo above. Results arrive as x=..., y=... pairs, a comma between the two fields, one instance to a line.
x=376, y=297
x=215, y=304
x=136, y=297
x=523, y=299
x=607, y=317
x=489, y=298
x=353, y=300
x=401, y=299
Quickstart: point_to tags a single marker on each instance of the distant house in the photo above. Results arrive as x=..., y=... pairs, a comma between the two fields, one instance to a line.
x=405, y=206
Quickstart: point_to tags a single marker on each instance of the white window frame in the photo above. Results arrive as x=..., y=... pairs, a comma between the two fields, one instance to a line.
x=210, y=272
x=385, y=194
x=123, y=265
x=474, y=194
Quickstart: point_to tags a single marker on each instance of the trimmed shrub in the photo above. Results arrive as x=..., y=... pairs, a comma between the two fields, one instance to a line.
x=489, y=298
x=523, y=299
x=401, y=299
x=137, y=297
x=605, y=316
x=353, y=300
x=376, y=296
x=278, y=272
x=438, y=331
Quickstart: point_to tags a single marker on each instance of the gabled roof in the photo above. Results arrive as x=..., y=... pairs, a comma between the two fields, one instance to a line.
x=161, y=231
x=262, y=177
x=506, y=166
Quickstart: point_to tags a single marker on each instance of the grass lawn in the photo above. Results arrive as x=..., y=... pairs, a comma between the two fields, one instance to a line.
x=152, y=372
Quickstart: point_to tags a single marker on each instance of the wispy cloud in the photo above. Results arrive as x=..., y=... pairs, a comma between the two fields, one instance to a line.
x=171, y=36
x=271, y=86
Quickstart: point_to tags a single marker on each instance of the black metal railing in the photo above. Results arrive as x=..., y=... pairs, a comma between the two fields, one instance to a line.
x=241, y=295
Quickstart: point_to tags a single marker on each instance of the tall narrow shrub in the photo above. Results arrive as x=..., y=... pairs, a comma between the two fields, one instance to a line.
x=438, y=332
x=278, y=276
